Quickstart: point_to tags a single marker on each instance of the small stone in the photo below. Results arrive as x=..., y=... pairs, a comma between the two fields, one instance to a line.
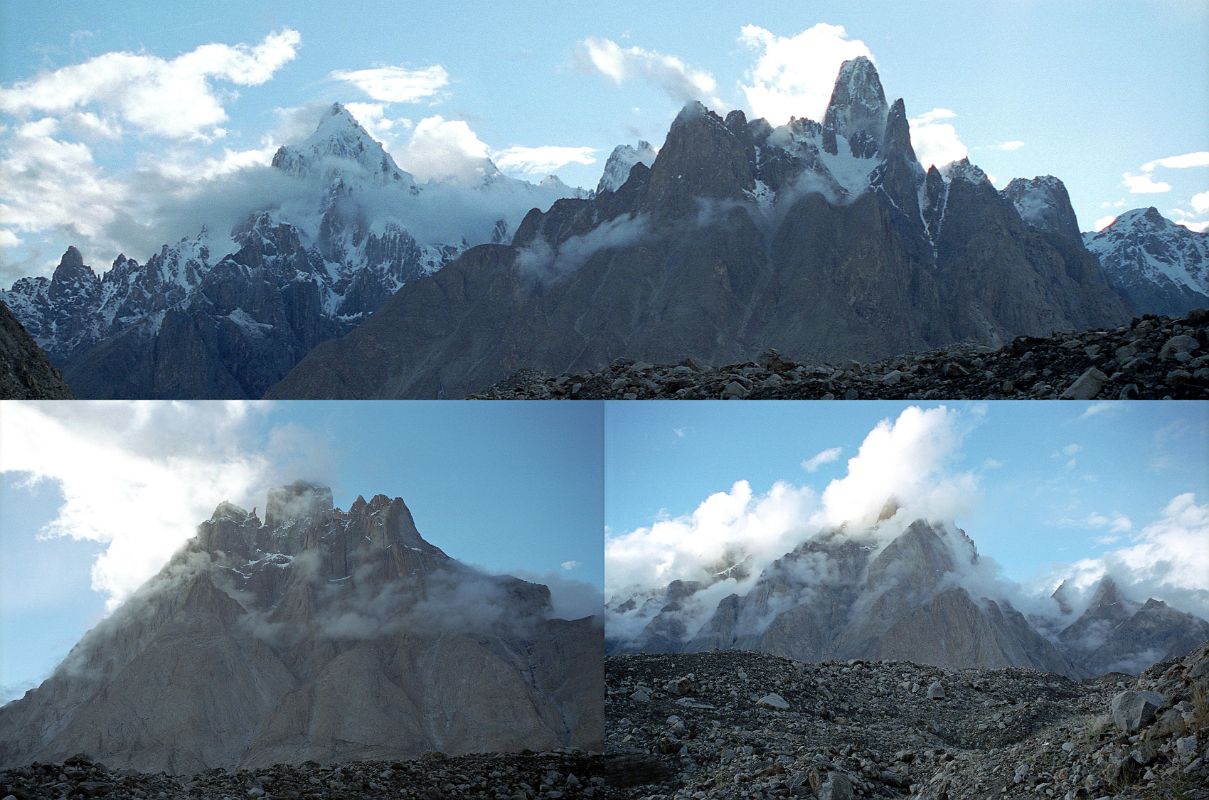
x=936, y=691
x=1185, y=748
x=1182, y=343
x=836, y=787
x=641, y=696
x=893, y=377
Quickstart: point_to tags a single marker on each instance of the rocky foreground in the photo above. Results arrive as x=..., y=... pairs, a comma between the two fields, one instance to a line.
x=750, y=725
x=1150, y=358
x=498, y=776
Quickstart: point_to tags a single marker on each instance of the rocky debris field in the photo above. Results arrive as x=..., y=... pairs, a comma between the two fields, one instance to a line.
x=498, y=776
x=733, y=724
x=1151, y=358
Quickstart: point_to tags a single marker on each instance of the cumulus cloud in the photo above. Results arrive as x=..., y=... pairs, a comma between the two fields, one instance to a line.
x=569, y=565
x=1167, y=560
x=794, y=75
x=377, y=123
x=442, y=148
x=396, y=84
x=827, y=456
x=1144, y=184
x=138, y=477
x=48, y=182
x=1103, y=222
x=1185, y=161
x=666, y=72
x=1200, y=203
x=536, y=162
x=936, y=141
x=174, y=98
x=1102, y=408
x=908, y=460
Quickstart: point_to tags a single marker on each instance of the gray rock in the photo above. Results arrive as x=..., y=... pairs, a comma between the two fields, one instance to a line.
x=1135, y=709
x=936, y=691
x=1087, y=386
x=774, y=701
x=836, y=787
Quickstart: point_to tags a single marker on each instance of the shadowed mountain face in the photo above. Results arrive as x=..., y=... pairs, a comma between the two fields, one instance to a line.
x=25, y=371
x=317, y=634
x=849, y=594
x=823, y=241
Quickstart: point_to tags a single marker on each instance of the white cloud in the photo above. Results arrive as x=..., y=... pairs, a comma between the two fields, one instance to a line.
x=137, y=477
x=536, y=162
x=1104, y=222
x=827, y=456
x=171, y=98
x=441, y=148
x=1117, y=523
x=795, y=75
x=1096, y=409
x=992, y=463
x=936, y=143
x=907, y=460
x=188, y=167
x=1009, y=146
x=49, y=183
x=569, y=565
x=665, y=72
x=679, y=432
x=1200, y=203
x=1185, y=161
x=9, y=239
x=1199, y=227
x=1144, y=184
x=396, y=84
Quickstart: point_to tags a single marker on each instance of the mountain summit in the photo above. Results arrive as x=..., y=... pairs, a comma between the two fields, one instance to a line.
x=825, y=241
x=315, y=634
x=897, y=593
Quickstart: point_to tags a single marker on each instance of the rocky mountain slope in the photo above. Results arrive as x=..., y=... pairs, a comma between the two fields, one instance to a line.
x=219, y=316
x=747, y=725
x=1150, y=358
x=25, y=371
x=315, y=634
x=1158, y=266
x=822, y=240
x=892, y=591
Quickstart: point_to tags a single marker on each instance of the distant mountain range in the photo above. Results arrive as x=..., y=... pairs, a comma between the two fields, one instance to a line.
x=848, y=593
x=825, y=240
x=346, y=229
x=315, y=634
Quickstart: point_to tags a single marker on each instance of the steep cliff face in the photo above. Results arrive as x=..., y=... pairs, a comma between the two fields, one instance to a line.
x=317, y=634
x=824, y=241
x=25, y=371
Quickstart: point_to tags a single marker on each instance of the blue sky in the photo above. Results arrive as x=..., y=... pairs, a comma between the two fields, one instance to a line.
x=1106, y=97
x=1035, y=484
x=512, y=487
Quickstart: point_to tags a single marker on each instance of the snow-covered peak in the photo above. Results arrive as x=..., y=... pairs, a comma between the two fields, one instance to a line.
x=963, y=170
x=857, y=110
x=621, y=161
x=1161, y=267
x=338, y=143
x=1043, y=203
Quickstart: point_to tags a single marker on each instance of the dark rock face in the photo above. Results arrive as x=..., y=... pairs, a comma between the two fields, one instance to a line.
x=1158, y=266
x=808, y=238
x=25, y=372
x=322, y=635
x=1151, y=358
